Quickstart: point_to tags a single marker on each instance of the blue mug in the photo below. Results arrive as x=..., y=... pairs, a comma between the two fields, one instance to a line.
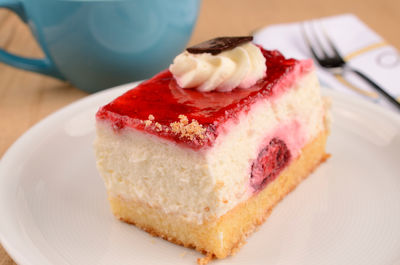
x=96, y=44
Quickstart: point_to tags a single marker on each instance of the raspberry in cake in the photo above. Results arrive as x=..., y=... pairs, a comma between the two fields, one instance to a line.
x=201, y=153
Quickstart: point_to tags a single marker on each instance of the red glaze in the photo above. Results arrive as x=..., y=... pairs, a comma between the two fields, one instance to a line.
x=165, y=100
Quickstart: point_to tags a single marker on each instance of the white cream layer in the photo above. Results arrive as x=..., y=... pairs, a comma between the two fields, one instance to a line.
x=202, y=185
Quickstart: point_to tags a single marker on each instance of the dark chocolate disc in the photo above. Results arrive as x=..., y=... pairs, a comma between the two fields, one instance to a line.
x=218, y=45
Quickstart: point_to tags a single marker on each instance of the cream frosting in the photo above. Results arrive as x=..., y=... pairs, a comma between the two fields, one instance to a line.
x=240, y=67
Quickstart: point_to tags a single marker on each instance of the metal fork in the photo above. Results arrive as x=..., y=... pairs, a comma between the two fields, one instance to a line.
x=337, y=65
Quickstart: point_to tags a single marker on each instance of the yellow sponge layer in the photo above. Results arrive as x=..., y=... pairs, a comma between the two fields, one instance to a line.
x=223, y=236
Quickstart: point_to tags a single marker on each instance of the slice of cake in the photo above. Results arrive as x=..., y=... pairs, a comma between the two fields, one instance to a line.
x=201, y=153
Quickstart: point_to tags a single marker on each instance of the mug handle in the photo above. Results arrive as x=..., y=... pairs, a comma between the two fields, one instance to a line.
x=43, y=66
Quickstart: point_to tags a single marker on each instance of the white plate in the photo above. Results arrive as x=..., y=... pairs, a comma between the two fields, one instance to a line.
x=54, y=208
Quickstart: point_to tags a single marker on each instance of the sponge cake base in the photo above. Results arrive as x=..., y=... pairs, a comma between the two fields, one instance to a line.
x=223, y=236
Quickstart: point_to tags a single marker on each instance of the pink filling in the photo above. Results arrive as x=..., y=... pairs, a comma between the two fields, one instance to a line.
x=269, y=163
x=275, y=153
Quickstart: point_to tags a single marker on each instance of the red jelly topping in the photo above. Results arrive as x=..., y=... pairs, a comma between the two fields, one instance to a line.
x=270, y=161
x=165, y=100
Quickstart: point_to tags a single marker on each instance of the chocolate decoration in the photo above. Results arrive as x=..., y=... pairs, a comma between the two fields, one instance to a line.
x=218, y=45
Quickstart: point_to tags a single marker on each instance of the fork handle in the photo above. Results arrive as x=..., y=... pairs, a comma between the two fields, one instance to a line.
x=378, y=88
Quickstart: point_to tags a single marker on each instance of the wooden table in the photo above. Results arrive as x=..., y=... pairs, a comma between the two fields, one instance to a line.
x=26, y=98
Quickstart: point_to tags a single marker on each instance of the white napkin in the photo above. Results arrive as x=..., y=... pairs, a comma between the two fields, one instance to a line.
x=366, y=51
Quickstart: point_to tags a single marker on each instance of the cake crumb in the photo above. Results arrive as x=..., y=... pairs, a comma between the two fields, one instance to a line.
x=147, y=123
x=205, y=260
x=183, y=119
x=158, y=127
x=183, y=254
x=185, y=129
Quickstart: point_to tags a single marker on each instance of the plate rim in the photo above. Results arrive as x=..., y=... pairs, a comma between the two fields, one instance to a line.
x=17, y=252
x=10, y=248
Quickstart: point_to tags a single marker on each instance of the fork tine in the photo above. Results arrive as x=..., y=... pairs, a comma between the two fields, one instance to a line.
x=332, y=46
x=308, y=41
x=317, y=39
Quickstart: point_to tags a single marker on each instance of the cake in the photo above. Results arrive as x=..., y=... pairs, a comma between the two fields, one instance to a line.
x=201, y=153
